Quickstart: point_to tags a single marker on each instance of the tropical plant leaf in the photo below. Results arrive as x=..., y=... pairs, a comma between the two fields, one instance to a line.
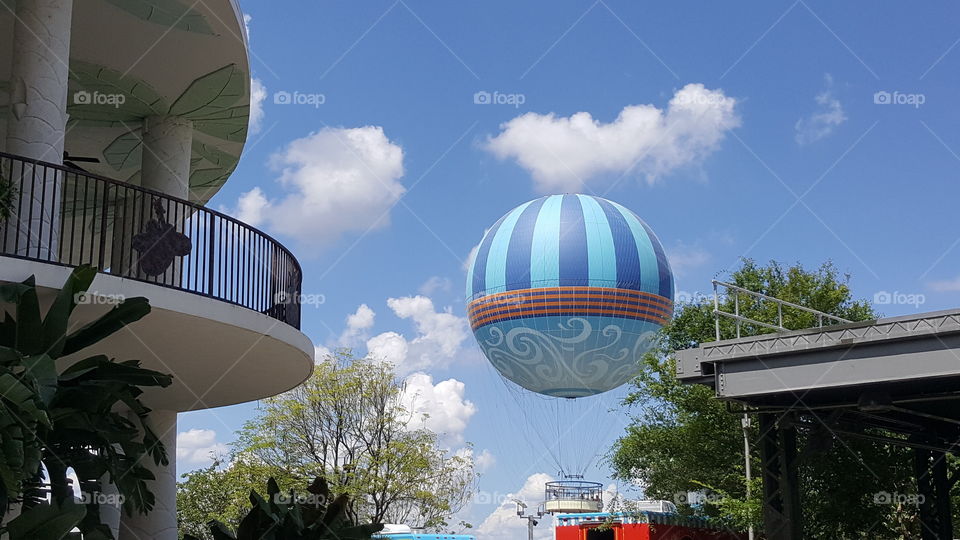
x=43, y=369
x=29, y=324
x=58, y=316
x=167, y=13
x=124, y=151
x=46, y=522
x=211, y=93
x=124, y=313
x=10, y=292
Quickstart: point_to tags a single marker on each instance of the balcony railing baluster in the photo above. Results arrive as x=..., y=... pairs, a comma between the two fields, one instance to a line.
x=228, y=260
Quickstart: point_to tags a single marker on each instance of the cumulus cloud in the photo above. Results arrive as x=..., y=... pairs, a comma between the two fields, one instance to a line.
x=828, y=115
x=258, y=92
x=320, y=353
x=334, y=181
x=684, y=258
x=484, y=461
x=503, y=524
x=199, y=447
x=440, y=408
x=439, y=336
x=357, y=324
x=564, y=153
x=434, y=285
x=250, y=207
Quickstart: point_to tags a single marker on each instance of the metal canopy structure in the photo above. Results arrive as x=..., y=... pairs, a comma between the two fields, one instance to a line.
x=900, y=375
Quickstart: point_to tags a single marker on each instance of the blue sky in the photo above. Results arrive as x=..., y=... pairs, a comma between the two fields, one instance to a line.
x=813, y=131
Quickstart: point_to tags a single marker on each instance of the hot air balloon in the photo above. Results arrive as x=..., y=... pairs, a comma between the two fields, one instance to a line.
x=566, y=293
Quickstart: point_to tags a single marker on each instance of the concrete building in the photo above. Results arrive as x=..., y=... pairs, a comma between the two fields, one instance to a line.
x=118, y=122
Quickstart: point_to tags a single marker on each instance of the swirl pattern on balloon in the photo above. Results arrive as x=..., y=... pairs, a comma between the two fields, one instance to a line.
x=567, y=356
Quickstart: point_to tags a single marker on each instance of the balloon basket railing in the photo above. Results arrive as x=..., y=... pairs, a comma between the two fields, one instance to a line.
x=573, y=497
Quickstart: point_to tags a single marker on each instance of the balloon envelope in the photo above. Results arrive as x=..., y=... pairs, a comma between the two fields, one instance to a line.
x=566, y=292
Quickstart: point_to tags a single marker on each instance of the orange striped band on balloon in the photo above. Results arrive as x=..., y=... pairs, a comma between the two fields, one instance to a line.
x=573, y=301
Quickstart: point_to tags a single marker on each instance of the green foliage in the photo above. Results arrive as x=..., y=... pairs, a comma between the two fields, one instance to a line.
x=314, y=515
x=348, y=425
x=682, y=439
x=222, y=493
x=61, y=415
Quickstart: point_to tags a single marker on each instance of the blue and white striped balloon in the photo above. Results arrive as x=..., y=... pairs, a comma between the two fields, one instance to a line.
x=566, y=292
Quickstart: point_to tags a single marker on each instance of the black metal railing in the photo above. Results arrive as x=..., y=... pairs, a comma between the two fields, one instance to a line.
x=61, y=215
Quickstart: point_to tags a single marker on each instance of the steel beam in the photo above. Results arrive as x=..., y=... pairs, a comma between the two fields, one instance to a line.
x=933, y=490
x=781, y=493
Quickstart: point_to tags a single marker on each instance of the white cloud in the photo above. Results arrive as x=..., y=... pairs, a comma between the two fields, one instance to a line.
x=503, y=523
x=250, y=207
x=258, y=92
x=947, y=285
x=389, y=347
x=440, y=335
x=820, y=123
x=199, y=447
x=684, y=258
x=484, y=461
x=440, y=408
x=357, y=324
x=246, y=25
x=473, y=253
x=320, y=353
x=564, y=153
x=334, y=181
x=435, y=284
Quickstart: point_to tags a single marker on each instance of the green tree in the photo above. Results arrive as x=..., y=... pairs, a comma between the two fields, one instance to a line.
x=681, y=438
x=348, y=425
x=311, y=514
x=221, y=492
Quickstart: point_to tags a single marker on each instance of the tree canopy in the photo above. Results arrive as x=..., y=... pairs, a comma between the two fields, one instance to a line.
x=348, y=425
x=681, y=439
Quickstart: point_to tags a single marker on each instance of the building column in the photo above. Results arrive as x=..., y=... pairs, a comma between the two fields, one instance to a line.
x=161, y=522
x=37, y=124
x=166, y=152
x=167, y=148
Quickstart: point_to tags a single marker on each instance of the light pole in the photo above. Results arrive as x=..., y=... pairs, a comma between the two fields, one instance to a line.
x=531, y=519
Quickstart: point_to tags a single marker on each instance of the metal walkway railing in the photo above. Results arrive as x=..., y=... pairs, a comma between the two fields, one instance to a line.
x=741, y=320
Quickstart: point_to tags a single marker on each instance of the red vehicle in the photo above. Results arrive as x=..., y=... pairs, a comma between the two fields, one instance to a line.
x=638, y=526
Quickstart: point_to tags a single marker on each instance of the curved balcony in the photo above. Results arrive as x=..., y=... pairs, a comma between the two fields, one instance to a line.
x=65, y=216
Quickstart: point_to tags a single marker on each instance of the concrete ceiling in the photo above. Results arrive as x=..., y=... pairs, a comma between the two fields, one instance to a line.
x=162, y=57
